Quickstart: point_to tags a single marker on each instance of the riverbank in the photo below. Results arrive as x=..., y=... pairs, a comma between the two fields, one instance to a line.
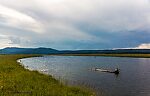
x=16, y=80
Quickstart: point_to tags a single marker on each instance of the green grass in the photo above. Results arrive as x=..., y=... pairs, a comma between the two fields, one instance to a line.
x=17, y=81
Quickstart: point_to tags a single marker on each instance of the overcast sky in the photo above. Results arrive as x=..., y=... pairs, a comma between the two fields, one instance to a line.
x=75, y=24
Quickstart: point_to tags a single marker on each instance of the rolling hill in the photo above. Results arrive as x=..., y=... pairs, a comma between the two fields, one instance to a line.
x=42, y=50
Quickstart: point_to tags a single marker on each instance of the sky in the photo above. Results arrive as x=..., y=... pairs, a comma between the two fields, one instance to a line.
x=75, y=24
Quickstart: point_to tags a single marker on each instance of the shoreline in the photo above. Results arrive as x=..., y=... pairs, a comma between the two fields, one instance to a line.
x=108, y=55
x=16, y=80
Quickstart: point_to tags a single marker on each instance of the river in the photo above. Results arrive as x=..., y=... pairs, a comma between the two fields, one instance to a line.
x=133, y=80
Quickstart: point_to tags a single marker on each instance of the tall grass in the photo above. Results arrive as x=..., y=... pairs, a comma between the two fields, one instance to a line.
x=17, y=81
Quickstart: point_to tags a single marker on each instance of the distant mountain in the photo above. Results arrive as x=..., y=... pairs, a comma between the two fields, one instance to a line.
x=15, y=50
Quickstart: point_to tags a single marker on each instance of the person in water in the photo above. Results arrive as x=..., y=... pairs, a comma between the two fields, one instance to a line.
x=116, y=71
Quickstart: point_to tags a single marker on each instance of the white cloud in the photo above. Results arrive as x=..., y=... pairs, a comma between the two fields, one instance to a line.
x=12, y=18
x=62, y=20
x=109, y=15
x=143, y=46
x=5, y=42
x=116, y=15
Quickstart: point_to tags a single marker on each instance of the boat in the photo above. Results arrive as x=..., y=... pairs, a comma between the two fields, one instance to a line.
x=116, y=71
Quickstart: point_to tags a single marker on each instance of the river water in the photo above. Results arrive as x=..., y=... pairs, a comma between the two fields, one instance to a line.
x=133, y=80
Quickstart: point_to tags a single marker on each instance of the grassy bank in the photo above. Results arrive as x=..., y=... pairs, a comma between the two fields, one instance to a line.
x=17, y=81
x=112, y=55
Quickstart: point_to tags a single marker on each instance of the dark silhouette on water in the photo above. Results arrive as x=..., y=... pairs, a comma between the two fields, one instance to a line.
x=117, y=71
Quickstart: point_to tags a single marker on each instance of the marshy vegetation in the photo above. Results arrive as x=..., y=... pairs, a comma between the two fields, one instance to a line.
x=15, y=80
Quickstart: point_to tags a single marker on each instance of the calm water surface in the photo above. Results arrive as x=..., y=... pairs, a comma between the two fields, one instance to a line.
x=134, y=79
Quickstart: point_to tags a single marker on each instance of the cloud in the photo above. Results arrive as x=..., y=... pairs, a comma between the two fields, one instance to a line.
x=111, y=16
x=12, y=18
x=143, y=46
x=5, y=42
x=76, y=23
